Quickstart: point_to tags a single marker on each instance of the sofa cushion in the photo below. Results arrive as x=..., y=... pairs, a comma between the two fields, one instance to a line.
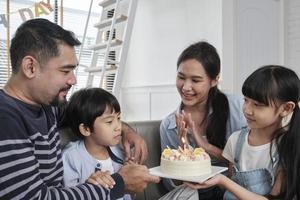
x=149, y=130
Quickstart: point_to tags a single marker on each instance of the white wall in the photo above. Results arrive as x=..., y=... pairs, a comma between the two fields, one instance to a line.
x=246, y=33
x=258, y=36
x=162, y=29
x=292, y=33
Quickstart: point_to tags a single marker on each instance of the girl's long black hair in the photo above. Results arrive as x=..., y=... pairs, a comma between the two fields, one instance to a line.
x=207, y=55
x=277, y=84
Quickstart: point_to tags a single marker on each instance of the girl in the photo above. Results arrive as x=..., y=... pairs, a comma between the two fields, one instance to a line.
x=266, y=156
x=94, y=116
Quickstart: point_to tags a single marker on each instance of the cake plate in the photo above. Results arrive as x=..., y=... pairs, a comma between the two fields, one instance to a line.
x=199, y=179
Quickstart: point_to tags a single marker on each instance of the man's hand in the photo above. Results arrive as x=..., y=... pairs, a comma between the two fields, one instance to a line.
x=133, y=142
x=136, y=177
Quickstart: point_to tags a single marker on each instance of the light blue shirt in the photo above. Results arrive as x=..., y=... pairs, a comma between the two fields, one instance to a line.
x=168, y=129
x=79, y=164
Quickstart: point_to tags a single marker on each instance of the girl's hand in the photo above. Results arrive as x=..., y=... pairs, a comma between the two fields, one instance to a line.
x=216, y=180
x=101, y=178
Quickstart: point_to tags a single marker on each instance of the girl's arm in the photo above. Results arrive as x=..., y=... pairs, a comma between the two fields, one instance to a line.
x=239, y=191
x=223, y=181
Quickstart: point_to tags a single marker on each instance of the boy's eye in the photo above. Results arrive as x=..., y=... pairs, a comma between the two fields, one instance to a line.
x=109, y=122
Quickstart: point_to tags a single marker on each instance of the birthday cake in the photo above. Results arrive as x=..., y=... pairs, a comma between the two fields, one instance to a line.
x=185, y=162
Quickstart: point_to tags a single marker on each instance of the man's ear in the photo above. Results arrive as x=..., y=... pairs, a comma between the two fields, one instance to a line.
x=287, y=108
x=29, y=66
x=84, y=130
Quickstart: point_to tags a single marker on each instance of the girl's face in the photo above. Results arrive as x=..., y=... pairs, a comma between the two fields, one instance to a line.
x=192, y=82
x=107, y=129
x=261, y=116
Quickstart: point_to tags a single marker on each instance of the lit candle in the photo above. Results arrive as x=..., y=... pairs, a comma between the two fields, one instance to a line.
x=183, y=142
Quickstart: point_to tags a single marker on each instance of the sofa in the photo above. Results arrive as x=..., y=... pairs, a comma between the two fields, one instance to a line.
x=149, y=130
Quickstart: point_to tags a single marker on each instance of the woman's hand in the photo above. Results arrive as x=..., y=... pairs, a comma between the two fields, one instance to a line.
x=182, y=129
x=101, y=178
x=196, y=133
x=185, y=120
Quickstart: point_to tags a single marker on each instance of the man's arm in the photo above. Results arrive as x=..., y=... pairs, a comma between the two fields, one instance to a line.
x=31, y=167
x=132, y=141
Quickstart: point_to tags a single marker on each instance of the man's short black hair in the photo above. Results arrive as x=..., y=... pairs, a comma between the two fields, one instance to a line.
x=39, y=38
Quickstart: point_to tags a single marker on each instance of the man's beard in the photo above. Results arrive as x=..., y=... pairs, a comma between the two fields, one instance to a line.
x=57, y=102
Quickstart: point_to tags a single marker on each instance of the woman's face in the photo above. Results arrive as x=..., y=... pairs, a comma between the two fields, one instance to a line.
x=192, y=82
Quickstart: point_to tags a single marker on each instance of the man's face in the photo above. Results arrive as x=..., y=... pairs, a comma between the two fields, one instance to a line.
x=56, y=77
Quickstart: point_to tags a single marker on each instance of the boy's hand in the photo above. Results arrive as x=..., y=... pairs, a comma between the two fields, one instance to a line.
x=101, y=178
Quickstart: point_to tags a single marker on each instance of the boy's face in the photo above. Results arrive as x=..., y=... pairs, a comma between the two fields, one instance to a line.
x=107, y=129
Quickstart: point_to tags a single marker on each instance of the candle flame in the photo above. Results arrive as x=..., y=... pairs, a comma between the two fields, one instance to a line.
x=183, y=143
x=183, y=140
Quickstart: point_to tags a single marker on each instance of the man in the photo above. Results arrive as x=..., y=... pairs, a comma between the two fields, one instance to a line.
x=43, y=61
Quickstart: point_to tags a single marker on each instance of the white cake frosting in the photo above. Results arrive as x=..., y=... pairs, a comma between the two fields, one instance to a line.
x=185, y=162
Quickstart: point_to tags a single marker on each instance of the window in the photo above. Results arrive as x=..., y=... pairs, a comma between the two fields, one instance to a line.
x=4, y=71
x=72, y=17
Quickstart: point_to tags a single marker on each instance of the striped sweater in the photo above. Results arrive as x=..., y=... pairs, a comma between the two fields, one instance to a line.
x=30, y=156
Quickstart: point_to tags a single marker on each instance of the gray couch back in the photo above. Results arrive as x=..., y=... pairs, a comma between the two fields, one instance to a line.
x=149, y=130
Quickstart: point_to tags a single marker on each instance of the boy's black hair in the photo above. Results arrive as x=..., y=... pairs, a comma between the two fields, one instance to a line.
x=86, y=105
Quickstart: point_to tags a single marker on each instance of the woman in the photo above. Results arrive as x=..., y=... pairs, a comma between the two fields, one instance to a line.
x=212, y=114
